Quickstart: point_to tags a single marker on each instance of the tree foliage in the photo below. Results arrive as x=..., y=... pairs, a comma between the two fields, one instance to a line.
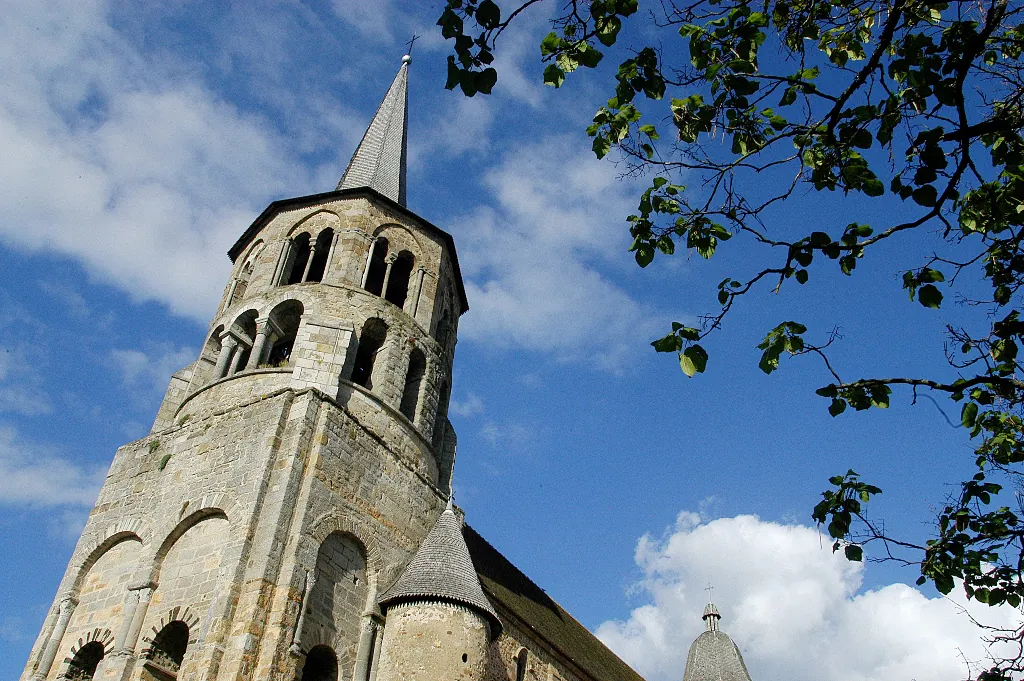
x=918, y=101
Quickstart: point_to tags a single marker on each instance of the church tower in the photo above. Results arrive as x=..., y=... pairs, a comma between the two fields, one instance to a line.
x=296, y=466
x=289, y=516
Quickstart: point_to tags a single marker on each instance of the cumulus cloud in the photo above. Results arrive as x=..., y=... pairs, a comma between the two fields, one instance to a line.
x=150, y=370
x=538, y=262
x=471, y=406
x=21, y=391
x=113, y=159
x=32, y=475
x=796, y=610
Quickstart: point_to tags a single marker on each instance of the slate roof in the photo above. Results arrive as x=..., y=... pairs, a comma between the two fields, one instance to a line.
x=511, y=590
x=713, y=655
x=442, y=569
x=380, y=158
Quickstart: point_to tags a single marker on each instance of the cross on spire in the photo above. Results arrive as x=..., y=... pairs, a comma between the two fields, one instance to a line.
x=709, y=589
x=412, y=42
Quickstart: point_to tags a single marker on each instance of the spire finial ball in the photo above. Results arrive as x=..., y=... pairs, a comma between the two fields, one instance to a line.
x=406, y=59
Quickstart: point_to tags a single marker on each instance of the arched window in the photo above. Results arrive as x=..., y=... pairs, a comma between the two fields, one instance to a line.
x=83, y=665
x=521, y=665
x=299, y=257
x=413, y=379
x=165, y=654
x=441, y=418
x=321, y=665
x=377, y=267
x=209, y=356
x=370, y=341
x=244, y=331
x=285, y=319
x=318, y=267
x=398, y=279
x=241, y=284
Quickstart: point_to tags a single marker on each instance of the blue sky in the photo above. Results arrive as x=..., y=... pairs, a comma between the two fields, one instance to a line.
x=140, y=141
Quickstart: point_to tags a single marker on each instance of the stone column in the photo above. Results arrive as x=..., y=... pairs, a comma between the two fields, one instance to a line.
x=260, y=346
x=227, y=349
x=309, y=261
x=378, y=641
x=365, y=648
x=419, y=289
x=236, y=360
x=129, y=614
x=131, y=637
x=369, y=259
x=387, y=275
x=64, y=610
x=282, y=260
x=296, y=646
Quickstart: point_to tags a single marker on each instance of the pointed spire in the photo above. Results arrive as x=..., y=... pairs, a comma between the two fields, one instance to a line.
x=380, y=159
x=442, y=570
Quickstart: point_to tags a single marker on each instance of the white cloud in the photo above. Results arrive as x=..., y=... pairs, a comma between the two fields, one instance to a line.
x=795, y=609
x=471, y=406
x=151, y=371
x=112, y=158
x=34, y=476
x=537, y=265
x=21, y=391
x=372, y=18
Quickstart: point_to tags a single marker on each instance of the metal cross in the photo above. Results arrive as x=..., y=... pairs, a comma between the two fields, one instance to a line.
x=411, y=42
x=709, y=589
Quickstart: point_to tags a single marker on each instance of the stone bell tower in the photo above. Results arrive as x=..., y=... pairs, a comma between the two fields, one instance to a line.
x=296, y=466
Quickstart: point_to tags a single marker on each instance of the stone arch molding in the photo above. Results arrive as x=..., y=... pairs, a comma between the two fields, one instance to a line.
x=102, y=636
x=335, y=521
x=263, y=307
x=104, y=539
x=255, y=251
x=191, y=513
x=400, y=238
x=316, y=222
x=175, y=614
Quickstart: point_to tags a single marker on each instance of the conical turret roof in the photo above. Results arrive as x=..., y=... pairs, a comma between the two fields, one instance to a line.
x=380, y=159
x=713, y=656
x=443, y=570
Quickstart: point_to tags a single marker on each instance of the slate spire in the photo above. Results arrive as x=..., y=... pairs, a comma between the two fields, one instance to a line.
x=442, y=570
x=380, y=159
x=713, y=655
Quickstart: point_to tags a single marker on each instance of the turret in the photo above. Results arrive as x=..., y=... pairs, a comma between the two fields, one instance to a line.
x=439, y=622
x=713, y=656
x=347, y=292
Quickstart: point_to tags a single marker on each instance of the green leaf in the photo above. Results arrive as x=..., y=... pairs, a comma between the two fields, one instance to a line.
x=969, y=414
x=488, y=14
x=588, y=56
x=608, y=30
x=929, y=296
x=554, y=76
x=837, y=407
x=693, y=360
x=925, y=196
x=550, y=44
x=801, y=276
x=670, y=343
x=486, y=79
x=853, y=552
